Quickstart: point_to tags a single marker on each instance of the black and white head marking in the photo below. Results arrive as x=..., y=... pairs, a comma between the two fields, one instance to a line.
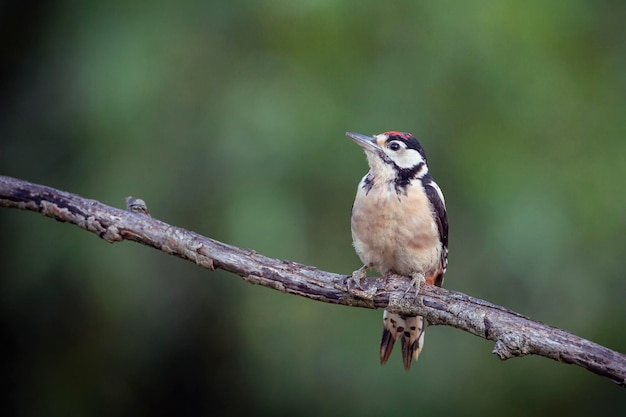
x=395, y=158
x=404, y=152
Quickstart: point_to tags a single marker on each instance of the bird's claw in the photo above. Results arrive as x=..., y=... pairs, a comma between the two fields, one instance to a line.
x=416, y=281
x=354, y=280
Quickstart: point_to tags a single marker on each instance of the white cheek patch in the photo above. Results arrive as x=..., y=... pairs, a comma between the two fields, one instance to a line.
x=407, y=158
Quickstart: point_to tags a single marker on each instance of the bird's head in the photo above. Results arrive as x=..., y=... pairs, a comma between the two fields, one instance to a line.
x=392, y=153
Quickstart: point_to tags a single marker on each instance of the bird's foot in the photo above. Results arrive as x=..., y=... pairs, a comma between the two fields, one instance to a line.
x=416, y=281
x=354, y=280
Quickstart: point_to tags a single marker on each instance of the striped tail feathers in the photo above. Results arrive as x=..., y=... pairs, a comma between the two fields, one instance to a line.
x=411, y=332
x=386, y=344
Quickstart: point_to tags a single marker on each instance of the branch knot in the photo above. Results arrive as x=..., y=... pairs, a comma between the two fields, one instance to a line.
x=510, y=345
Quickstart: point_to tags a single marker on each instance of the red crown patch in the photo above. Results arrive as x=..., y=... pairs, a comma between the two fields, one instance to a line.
x=401, y=135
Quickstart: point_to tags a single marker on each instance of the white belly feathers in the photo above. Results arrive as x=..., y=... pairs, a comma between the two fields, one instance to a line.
x=389, y=233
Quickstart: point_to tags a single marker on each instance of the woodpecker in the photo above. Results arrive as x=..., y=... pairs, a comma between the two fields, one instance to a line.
x=400, y=227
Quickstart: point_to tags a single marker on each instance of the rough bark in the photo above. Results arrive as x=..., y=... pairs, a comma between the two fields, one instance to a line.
x=513, y=334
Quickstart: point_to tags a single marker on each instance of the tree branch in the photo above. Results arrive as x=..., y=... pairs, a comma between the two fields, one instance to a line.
x=513, y=334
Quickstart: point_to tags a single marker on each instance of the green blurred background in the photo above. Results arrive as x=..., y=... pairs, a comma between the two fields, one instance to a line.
x=228, y=118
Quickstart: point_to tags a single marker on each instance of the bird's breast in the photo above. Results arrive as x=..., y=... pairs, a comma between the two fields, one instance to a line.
x=395, y=232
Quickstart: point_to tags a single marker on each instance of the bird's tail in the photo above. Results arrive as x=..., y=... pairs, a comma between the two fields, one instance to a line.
x=411, y=332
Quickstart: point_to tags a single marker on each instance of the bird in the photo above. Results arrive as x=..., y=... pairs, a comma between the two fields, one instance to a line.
x=399, y=226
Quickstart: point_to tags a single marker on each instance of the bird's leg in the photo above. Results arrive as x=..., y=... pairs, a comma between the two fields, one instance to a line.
x=357, y=276
x=417, y=278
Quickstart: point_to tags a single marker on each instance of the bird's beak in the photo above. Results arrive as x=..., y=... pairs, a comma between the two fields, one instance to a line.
x=366, y=142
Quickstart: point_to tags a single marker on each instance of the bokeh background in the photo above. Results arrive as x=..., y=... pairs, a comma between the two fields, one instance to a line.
x=228, y=118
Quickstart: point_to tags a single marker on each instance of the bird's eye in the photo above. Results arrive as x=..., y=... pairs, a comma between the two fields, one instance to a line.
x=394, y=146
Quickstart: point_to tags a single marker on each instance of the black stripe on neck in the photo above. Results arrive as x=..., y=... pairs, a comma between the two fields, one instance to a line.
x=406, y=175
x=368, y=182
